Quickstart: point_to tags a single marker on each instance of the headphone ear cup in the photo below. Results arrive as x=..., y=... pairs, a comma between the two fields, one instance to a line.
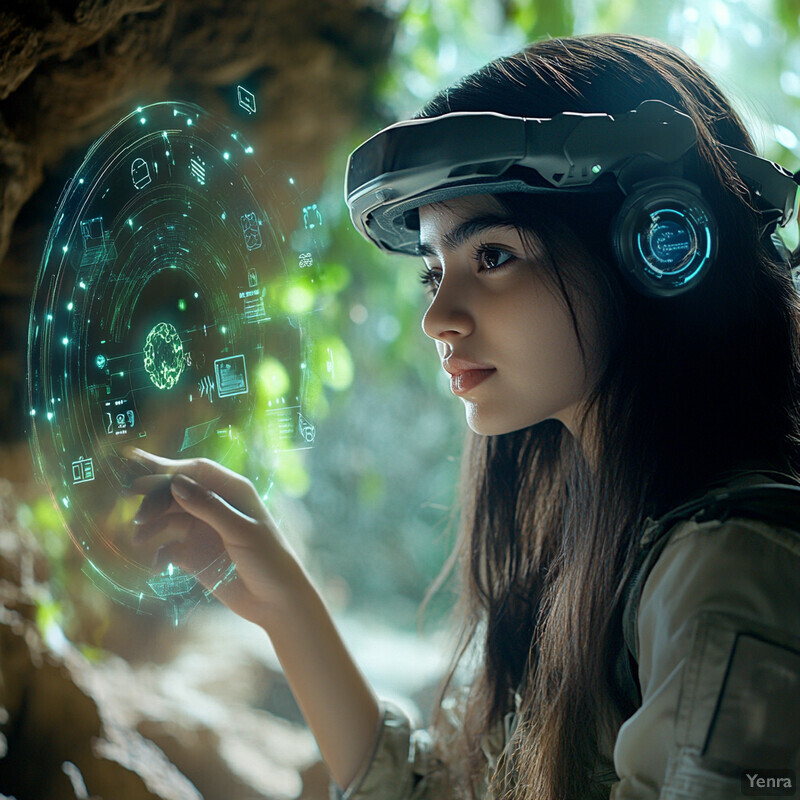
x=664, y=237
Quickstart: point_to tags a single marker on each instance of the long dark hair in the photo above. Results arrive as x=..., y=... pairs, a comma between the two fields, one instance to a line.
x=693, y=387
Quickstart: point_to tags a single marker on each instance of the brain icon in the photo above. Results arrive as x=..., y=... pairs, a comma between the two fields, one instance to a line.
x=163, y=355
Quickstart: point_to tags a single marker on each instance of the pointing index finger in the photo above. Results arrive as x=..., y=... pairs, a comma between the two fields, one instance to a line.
x=229, y=485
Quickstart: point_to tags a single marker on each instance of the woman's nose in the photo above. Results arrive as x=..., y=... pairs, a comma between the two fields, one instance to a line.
x=448, y=315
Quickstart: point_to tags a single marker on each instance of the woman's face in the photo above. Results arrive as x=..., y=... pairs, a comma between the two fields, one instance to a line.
x=502, y=331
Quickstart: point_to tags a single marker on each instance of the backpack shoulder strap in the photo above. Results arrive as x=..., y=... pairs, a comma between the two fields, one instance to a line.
x=775, y=503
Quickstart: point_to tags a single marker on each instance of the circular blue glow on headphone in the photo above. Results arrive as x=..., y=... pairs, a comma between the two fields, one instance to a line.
x=664, y=237
x=670, y=241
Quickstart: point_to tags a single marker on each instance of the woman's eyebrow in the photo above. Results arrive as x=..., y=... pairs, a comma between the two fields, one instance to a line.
x=465, y=230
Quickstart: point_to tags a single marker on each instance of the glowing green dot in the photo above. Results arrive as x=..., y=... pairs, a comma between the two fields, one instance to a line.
x=226, y=156
x=49, y=415
x=248, y=149
x=64, y=248
x=181, y=305
x=596, y=169
x=65, y=501
x=143, y=120
x=82, y=285
x=223, y=329
x=80, y=180
x=33, y=412
x=188, y=121
x=291, y=181
x=100, y=361
x=65, y=341
x=70, y=306
x=49, y=317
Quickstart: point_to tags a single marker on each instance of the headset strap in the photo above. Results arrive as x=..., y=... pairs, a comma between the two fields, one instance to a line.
x=775, y=503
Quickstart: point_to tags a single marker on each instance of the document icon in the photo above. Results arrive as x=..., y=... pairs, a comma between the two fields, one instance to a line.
x=231, y=376
x=252, y=235
x=82, y=470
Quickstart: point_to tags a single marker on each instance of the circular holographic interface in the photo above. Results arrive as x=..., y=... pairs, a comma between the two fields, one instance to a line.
x=671, y=242
x=159, y=319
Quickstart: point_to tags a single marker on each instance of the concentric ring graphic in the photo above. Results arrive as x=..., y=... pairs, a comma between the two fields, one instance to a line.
x=160, y=298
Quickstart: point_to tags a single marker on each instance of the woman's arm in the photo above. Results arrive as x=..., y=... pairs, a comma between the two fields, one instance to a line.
x=339, y=705
x=195, y=511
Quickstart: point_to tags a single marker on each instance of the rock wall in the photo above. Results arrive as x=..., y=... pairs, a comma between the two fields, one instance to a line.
x=185, y=728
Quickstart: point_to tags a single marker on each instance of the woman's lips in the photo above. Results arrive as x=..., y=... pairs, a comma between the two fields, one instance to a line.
x=463, y=382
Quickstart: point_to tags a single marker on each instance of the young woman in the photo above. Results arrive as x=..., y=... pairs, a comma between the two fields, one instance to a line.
x=594, y=409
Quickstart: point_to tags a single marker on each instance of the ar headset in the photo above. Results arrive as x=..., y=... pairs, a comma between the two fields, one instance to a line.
x=664, y=235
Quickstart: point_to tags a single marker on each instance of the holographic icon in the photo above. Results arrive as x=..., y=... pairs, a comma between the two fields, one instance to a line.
x=163, y=355
x=247, y=100
x=195, y=434
x=305, y=428
x=254, y=310
x=252, y=235
x=172, y=581
x=120, y=418
x=92, y=233
x=198, y=168
x=287, y=429
x=82, y=470
x=305, y=260
x=231, y=376
x=206, y=387
x=140, y=173
x=252, y=278
x=280, y=427
x=100, y=361
x=312, y=217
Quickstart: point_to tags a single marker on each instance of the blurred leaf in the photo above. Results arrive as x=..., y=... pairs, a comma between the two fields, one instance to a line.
x=542, y=18
x=291, y=475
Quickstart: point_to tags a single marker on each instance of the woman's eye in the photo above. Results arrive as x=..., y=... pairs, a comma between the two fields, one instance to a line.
x=493, y=257
x=430, y=279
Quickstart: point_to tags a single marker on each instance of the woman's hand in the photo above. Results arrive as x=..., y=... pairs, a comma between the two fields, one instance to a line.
x=195, y=511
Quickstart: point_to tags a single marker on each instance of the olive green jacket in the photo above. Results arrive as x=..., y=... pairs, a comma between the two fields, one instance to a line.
x=717, y=635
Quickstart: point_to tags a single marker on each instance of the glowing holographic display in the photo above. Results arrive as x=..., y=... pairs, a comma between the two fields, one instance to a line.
x=92, y=233
x=82, y=470
x=306, y=429
x=312, y=217
x=305, y=261
x=119, y=417
x=231, y=376
x=247, y=100
x=252, y=235
x=206, y=387
x=163, y=356
x=140, y=173
x=253, y=309
x=157, y=299
x=198, y=168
